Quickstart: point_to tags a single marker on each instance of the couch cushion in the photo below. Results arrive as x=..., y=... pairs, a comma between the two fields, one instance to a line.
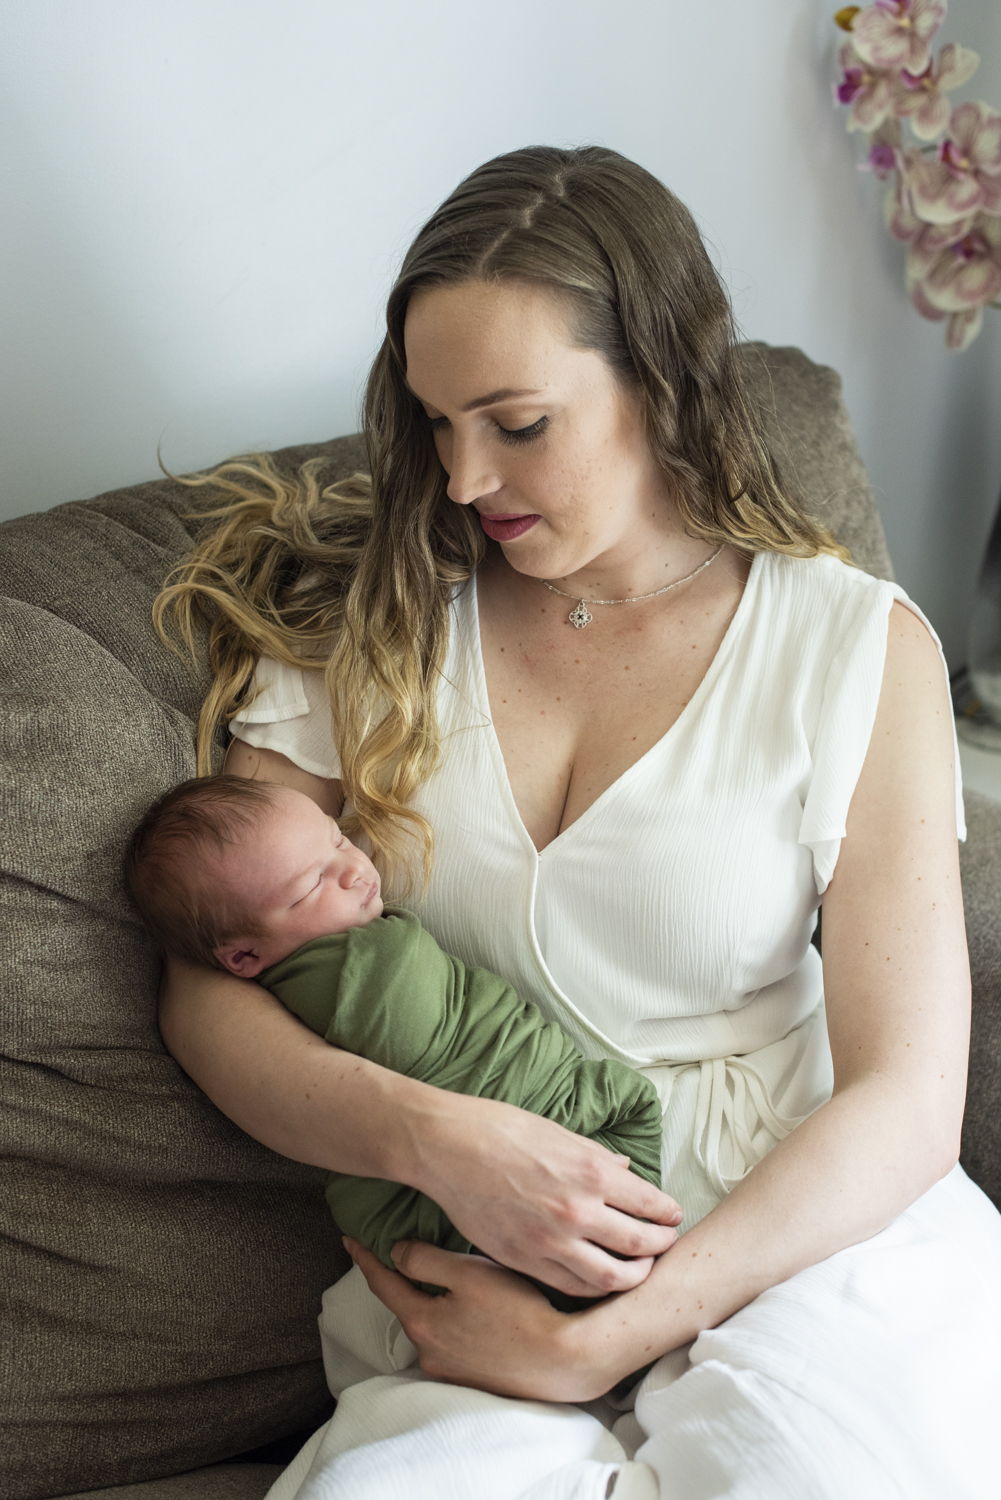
x=162, y=1272
x=810, y=435
x=222, y=1482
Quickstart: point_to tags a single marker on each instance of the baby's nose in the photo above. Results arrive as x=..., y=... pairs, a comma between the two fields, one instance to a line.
x=350, y=875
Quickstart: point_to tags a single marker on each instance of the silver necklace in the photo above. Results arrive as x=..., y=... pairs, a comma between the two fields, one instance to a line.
x=581, y=616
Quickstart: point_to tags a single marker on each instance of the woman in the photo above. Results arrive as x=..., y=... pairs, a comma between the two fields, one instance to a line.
x=593, y=673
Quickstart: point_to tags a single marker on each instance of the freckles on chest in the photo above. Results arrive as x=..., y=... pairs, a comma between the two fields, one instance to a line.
x=559, y=675
x=572, y=710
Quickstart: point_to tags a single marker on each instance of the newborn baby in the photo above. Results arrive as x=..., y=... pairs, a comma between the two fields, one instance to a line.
x=255, y=878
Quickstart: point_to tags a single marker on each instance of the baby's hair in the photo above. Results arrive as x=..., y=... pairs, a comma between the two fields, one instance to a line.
x=162, y=863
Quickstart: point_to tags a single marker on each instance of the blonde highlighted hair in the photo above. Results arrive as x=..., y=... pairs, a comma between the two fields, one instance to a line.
x=358, y=575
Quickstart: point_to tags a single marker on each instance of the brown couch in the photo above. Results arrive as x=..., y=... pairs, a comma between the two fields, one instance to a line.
x=162, y=1272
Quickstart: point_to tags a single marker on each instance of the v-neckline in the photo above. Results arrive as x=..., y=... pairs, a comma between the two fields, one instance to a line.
x=690, y=709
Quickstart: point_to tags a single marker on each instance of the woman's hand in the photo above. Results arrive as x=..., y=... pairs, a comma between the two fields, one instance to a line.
x=539, y=1199
x=491, y=1329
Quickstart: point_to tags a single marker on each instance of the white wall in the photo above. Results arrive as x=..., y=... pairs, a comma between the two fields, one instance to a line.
x=205, y=201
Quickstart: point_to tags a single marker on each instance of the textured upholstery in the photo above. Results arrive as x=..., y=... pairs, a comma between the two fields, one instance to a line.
x=980, y=864
x=162, y=1272
x=220, y=1482
x=810, y=436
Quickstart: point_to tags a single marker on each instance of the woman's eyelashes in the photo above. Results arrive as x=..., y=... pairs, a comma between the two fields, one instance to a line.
x=506, y=434
x=523, y=434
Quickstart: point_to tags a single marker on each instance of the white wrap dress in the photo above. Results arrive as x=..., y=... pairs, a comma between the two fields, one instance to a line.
x=670, y=927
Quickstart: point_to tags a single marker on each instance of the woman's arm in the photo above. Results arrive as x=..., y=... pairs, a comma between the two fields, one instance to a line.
x=530, y=1193
x=268, y=765
x=898, y=995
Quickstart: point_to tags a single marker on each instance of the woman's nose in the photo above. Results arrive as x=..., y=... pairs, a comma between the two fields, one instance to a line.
x=470, y=475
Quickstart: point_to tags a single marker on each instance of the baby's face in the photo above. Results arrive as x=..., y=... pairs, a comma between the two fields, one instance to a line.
x=300, y=877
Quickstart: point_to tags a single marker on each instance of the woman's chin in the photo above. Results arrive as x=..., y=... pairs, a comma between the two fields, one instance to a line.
x=543, y=568
x=533, y=559
x=536, y=555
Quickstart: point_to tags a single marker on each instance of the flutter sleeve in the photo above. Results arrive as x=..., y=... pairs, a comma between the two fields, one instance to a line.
x=848, y=712
x=289, y=711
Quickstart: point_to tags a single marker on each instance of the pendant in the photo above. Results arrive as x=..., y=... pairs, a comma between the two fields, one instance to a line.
x=580, y=617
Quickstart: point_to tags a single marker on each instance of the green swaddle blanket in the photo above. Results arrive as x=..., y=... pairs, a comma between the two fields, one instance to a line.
x=388, y=993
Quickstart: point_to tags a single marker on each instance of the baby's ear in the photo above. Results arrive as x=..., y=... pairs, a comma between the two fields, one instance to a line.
x=244, y=962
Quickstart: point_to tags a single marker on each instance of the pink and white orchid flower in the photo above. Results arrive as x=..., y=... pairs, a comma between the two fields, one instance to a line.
x=896, y=33
x=885, y=151
x=959, y=280
x=944, y=204
x=965, y=177
x=901, y=220
x=960, y=257
x=962, y=327
x=964, y=274
x=870, y=92
x=922, y=97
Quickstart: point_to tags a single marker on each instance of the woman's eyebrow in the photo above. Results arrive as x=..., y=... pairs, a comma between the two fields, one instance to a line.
x=507, y=393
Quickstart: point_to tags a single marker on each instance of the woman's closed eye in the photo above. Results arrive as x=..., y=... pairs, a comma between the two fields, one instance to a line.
x=523, y=434
x=506, y=434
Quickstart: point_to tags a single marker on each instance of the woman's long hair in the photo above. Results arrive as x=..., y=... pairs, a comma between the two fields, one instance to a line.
x=360, y=574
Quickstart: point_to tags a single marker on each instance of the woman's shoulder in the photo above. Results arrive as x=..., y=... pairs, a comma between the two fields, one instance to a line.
x=823, y=575
x=820, y=599
x=814, y=627
x=832, y=597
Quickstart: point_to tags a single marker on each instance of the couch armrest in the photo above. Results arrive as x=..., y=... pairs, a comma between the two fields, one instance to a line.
x=980, y=863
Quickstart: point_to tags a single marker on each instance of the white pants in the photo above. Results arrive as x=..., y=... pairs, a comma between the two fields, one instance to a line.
x=874, y=1374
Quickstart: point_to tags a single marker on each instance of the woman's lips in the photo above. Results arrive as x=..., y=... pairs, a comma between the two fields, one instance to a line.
x=506, y=528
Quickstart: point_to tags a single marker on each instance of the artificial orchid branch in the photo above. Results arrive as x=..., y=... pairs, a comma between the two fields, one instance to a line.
x=944, y=200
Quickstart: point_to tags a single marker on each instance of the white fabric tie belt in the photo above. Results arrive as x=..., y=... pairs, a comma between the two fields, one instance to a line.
x=733, y=1097
x=739, y=1106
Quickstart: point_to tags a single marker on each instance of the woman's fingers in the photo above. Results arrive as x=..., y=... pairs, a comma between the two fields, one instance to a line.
x=599, y=1274
x=543, y=1201
x=634, y=1195
x=606, y=1252
x=415, y=1261
x=392, y=1288
x=419, y=1261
